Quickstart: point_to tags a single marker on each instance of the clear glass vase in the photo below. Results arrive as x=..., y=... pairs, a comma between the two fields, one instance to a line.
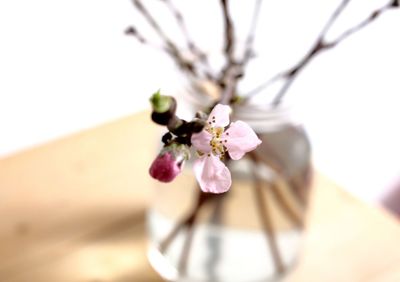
x=251, y=233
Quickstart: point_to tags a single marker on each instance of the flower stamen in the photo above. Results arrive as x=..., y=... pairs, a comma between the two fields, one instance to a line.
x=216, y=142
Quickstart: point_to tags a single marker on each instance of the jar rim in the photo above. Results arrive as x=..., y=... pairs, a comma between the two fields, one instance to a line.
x=264, y=118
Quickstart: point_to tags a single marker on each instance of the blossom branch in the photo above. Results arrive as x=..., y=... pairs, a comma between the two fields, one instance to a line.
x=362, y=24
x=170, y=46
x=248, y=53
x=231, y=78
x=281, y=200
x=267, y=155
x=202, y=198
x=232, y=71
x=285, y=206
x=133, y=31
x=182, y=25
x=187, y=246
x=266, y=222
x=229, y=34
x=320, y=45
x=332, y=19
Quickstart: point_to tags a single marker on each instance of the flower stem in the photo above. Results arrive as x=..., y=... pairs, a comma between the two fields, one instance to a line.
x=275, y=162
x=285, y=206
x=266, y=222
x=321, y=44
x=283, y=203
x=214, y=239
x=202, y=198
x=184, y=257
x=229, y=33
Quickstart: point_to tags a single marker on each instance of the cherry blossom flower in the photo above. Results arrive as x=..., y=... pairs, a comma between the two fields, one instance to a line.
x=218, y=138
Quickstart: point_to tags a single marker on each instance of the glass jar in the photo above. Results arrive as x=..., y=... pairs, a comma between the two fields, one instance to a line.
x=251, y=233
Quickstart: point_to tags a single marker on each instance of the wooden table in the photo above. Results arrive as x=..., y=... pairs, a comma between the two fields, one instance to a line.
x=73, y=210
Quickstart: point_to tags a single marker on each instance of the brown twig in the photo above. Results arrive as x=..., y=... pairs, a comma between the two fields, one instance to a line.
x=152, y=22
x=320, y=45
x=170, y=47
x=196, y=51
x=232, y=71
x=188, y=222
x=229, y=34
x=266, y=222
x=182, y=25
x=332, y=19
x=231, y=79
x=133, y=31
x=285, y=206
x=361, y=25
x=202, y=198
x=187, y=246
x=275, y=162
x=214, y=240
x=248, y=52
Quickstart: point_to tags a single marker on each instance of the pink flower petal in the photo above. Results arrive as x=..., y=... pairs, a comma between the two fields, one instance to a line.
x=219, y=116
x=241, y=139
x=212, y=174
x=201, y=141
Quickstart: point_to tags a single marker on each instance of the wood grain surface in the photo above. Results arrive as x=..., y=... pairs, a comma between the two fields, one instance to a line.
x=74, y=210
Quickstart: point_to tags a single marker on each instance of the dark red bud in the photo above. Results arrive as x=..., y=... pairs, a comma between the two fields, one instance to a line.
x=165, y=167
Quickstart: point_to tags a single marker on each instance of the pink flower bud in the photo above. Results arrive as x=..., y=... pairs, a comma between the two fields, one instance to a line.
x=169, y=163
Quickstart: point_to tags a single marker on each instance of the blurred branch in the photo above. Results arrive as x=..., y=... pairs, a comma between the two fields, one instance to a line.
x=196, y=51
x=132, y=31
x=320, y=45
x=264, y=215
x=332, y=19
x=228, y=77
x=362, y=24
x=170, y=47
x=201, y=199
x=232, y=71
x=229, y=34
x=182, y=25
x=248, y=53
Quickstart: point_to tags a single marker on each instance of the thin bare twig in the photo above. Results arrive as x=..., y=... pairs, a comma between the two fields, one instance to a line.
x=229, y=34
x=232, y=76
x=320, y=45
x=281, y=200
x=360, y=25
x=197, y=53
x=275, y=162
x=332, y=19
x=248, y=52
x=187, y=246
x=202, y=198
x=263, y=86
x=214, y=241
x=286, y=206
x=182, y=25
x=291, y=73
x=232, y=71
x=170, y=46
x=132, y=31
x=266, y=222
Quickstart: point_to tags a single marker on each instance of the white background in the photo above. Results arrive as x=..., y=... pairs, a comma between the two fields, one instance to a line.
x=66, y=66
